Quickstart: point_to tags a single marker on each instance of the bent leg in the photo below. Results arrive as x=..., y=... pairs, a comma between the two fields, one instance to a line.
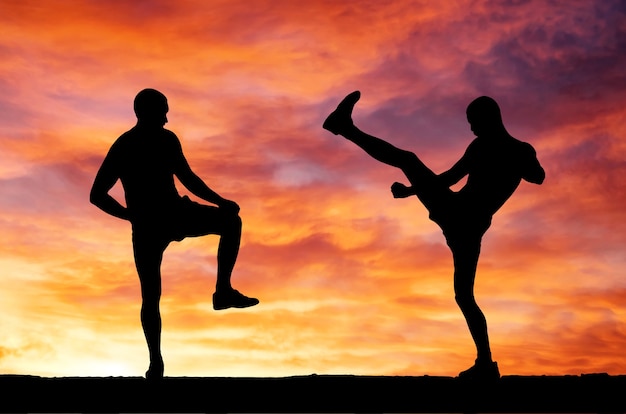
x=423, y=180
x=228, y=250
x=425, y=185
x=148, y=257
x=200, y=220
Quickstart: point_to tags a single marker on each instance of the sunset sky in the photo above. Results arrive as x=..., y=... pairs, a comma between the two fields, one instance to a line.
x=351, y=280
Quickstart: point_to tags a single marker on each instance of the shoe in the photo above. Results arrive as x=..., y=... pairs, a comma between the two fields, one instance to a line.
x=484, y=371
x=232, y=299
x=341, y=118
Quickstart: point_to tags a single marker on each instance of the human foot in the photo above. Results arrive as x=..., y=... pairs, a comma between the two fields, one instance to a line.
x=155, y=371
x=481, y=371
x=341, y=118
x=231, y=298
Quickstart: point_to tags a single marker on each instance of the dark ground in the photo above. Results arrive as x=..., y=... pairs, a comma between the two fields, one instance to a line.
x=590, y=393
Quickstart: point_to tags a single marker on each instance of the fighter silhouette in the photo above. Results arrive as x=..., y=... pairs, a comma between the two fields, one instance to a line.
x=145, y=159
x=494, y=163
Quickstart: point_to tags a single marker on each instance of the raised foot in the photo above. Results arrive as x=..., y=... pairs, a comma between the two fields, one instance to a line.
x=484, y=371
x=232, y=299
x=341, y=118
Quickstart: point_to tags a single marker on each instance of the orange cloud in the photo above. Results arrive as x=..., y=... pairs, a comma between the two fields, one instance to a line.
x=350, y=280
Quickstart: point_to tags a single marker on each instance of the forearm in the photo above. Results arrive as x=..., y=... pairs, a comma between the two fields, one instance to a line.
x=447, y=179
x=199, y=188
x=110, y=206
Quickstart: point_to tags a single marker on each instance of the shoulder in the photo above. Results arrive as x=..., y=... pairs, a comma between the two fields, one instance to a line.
x=476, y=143
x=168, y=135
x=171, y=139
x=474, y=147
x=128, y=137
x=523, y=153
x=122, y=141
x=524, y=147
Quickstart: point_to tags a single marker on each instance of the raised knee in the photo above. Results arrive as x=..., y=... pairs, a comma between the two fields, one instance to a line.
x=229, y=221
x=235, y=221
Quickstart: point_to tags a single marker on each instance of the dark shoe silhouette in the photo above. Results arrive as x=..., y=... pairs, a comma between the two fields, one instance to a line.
x=225, y=299
x=484, y=371
x=341, y=118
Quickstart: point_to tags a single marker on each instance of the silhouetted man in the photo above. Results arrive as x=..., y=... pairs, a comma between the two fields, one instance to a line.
x=146, y=159
x=494, y=162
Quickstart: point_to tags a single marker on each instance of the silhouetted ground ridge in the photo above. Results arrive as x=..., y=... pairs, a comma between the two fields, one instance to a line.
x=591, y=393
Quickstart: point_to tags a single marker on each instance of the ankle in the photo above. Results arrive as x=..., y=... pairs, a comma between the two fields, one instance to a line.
x=486, y=360
x=223, y=287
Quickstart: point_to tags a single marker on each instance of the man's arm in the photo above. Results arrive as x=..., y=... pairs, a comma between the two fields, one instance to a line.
x=195, y=184
x=454, y=174
x=99, y=196
x=448, y=178
x=533, y=171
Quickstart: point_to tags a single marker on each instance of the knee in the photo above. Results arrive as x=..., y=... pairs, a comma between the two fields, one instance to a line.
x=465, y=301
x=150, y=297
x=234, y=221
x=226, y=221
x=149, y=308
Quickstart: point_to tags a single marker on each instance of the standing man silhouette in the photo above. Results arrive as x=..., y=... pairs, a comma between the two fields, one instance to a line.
x=145, y=159
x=495, y=163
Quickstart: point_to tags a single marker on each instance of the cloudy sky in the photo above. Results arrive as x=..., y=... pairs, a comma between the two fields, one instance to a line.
x=351, y=280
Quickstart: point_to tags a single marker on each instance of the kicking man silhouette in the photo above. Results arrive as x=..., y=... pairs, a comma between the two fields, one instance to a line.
x=145, y=159
x=495, y=163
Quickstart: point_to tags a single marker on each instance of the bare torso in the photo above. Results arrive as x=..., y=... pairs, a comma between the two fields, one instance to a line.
x=146, y=159
x=495, y=169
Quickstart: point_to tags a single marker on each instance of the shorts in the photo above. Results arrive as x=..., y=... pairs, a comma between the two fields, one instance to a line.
x=459, y=222
x=183, y=218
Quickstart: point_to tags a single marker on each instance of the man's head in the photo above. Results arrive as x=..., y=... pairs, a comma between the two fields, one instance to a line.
x=483, y=114
x=151, y=107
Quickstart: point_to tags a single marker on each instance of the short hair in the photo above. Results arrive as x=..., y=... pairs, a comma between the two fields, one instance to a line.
x=484, y=108
x=150, y=102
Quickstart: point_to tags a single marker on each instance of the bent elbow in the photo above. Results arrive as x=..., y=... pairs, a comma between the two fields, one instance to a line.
x=542, y=176
x=537, y=178
x=94, y=198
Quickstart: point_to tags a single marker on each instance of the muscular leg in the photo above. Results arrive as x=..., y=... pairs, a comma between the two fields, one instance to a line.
x=436, y=197
x=200, y=220
x=465, y=255
x=148, y=257
x=465, y=258
x=227, y=252
x=423, y=180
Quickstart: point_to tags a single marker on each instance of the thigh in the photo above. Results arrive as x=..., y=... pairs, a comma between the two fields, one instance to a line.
x=195, y=219
x=148, y=254
x=465, y=253
x=436, y=197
